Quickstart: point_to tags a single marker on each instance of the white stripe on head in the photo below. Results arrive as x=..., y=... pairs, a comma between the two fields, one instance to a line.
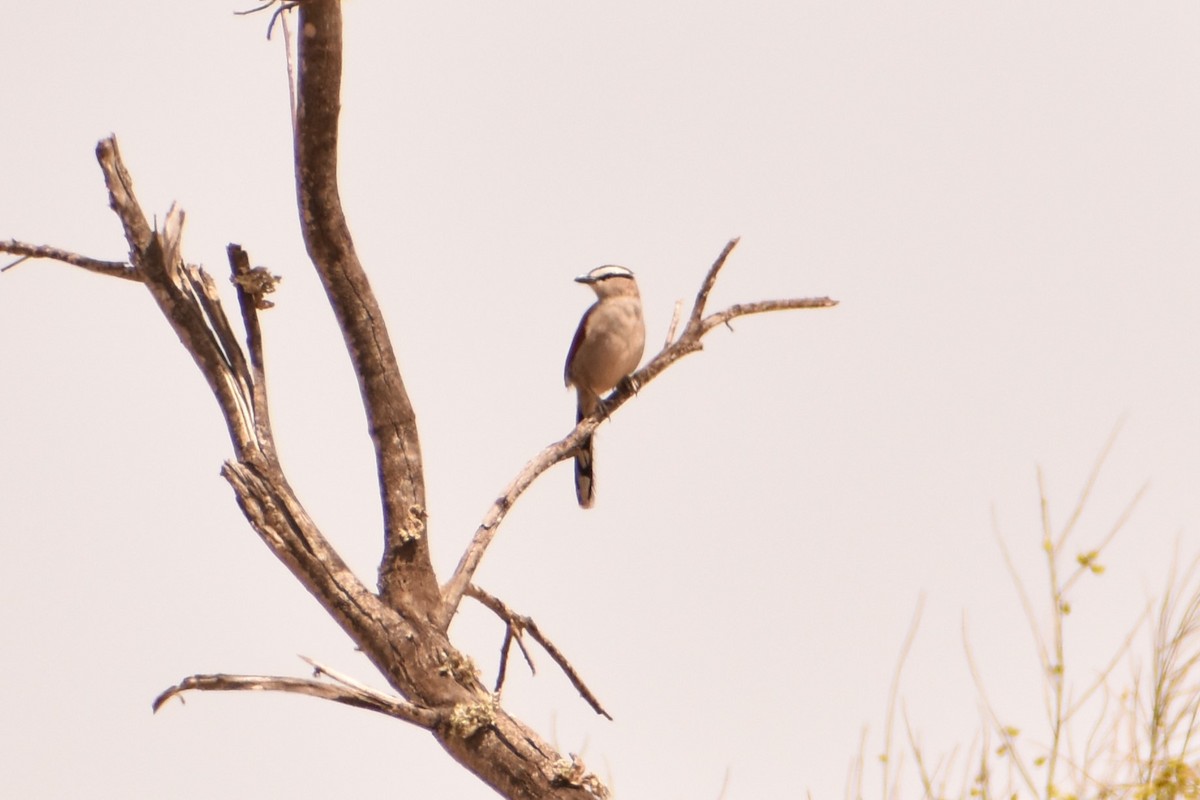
x=607, y=271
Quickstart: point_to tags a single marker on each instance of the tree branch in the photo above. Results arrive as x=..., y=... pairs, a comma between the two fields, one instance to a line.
x=688, y=342
x=356, y=696
x=252, y=285
x=517, y=624
x=411, y=661
x=710, y=280
x=115, y=269
x=188, y=299
x=412, y=656
x=406, y=577
x=121, y=199
x=178, y=291
x=761, y=307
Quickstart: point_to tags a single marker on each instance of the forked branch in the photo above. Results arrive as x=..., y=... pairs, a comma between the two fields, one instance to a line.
x=188, y=298
x=689, y=341
x=518, y=624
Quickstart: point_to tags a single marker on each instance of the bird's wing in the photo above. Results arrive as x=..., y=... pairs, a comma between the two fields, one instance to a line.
x=576, y=342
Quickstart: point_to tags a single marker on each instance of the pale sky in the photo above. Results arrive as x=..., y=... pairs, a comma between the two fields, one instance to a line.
x=1004, y=197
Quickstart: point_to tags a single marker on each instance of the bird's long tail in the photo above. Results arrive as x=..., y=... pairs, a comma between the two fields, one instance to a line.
x=585, y=482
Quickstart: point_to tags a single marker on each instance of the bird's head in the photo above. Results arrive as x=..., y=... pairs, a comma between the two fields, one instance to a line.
x=610, y=280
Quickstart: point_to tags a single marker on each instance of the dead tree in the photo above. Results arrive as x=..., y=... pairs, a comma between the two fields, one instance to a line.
x=401, y=625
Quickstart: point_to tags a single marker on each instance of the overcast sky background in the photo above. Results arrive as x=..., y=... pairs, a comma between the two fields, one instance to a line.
x=1004, y=198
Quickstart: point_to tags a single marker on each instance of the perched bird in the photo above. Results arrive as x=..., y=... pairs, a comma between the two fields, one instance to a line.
x=607, y=347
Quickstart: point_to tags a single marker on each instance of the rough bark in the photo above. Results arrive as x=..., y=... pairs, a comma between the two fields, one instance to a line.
x=406, y=576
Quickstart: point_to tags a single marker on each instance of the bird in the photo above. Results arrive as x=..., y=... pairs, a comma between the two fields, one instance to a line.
x=606, y=349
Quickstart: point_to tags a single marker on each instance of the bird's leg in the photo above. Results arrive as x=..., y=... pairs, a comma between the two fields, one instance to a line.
x=629, y=384
x=626, y=384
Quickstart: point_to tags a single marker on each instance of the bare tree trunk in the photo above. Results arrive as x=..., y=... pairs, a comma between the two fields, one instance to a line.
x=402, y=626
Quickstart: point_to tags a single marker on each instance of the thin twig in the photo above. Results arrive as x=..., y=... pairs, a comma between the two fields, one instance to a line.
x=525, y=654
x=279, y=16
x=710, y=280
x=502, y=670
x=674, y=323
x=762, y=307
x=724, y=784
x=289, y=57
x=1120, y=653
x=1058, y=610
x=1026, y=602
x=518, y=623
x=1087, y=565
x=338, y=677
x=1004, y=731
x=283, y=7
x=918, y=756
x=1091, y=483
x=115, y=269
x=256, y=9
x=854, y=779
x=894, y=693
